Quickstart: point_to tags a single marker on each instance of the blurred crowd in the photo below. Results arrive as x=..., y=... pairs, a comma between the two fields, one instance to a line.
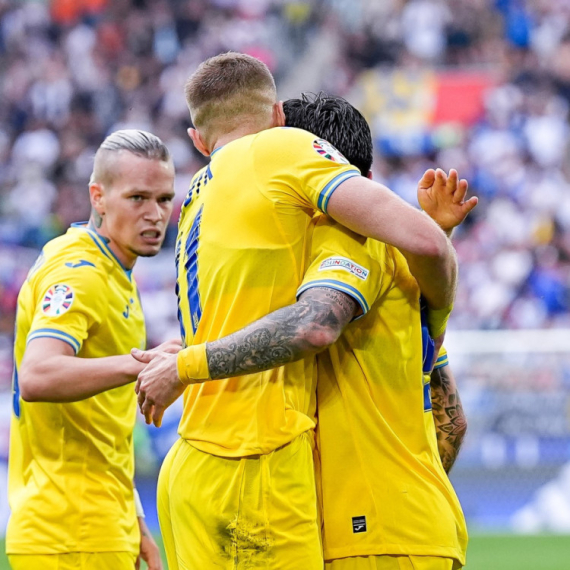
x=74, y=70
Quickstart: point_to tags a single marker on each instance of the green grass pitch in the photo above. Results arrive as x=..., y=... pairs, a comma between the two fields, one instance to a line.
x=495, y=552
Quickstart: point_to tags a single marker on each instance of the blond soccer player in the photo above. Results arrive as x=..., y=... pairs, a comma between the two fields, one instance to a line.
x=238, y=489
x=71, y=461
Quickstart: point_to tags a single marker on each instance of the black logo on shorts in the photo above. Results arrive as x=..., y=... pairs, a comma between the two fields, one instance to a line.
x=358, y=524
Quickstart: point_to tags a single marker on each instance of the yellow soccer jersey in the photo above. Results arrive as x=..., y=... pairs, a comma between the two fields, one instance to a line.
x=384, y=490
x=71, y=465
x=240, y=255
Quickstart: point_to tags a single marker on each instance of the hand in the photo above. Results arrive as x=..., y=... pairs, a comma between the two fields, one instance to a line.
x=172, y=346
x=158, y=385
x=442, y=198
x=149, y=551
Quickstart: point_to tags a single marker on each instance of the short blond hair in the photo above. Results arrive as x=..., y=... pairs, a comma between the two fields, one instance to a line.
x=227, y=90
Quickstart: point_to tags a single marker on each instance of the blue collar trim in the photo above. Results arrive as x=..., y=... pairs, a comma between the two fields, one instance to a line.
x=102, y=244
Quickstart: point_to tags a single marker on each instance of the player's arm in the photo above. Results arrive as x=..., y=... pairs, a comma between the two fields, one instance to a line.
x=450, y=420
x=50, y=371
x=308, y=326
x=149, y=551
x=371, y=209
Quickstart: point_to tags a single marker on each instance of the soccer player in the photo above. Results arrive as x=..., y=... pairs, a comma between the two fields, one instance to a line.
x=71, y=461
x=336, y=120
x=382, y=479
x=238, y=487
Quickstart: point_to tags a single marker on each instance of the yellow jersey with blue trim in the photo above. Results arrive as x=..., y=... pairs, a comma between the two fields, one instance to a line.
x=384, y=489
x=71, y=465
x=241, y=254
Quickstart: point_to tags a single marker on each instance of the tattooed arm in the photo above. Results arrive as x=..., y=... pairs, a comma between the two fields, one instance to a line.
x=307, y=327
x=450, y=420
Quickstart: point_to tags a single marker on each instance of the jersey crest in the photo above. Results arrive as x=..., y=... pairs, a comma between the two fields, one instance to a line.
x=57, y=300
x=328, y=151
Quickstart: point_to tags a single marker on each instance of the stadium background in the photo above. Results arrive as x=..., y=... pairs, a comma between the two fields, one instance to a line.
x=479, y=85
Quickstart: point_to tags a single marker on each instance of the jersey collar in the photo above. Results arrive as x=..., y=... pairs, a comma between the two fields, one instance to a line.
x=102, y=244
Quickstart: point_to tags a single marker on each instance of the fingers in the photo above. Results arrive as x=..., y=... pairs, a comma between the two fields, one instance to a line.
x=147, y=409
x=452, y=185
x=460, y=191
x=138, y=385
x=138, y=563
x=146, y=405
x=440, y=178
x=157, y=415
x=141, y=397
x=470, y=204
x=427, y=179
x=144, y=356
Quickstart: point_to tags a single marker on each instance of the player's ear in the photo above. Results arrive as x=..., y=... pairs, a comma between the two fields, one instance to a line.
x=196, y=138
x=97, y=198
x=278, y=114
x=369, y=175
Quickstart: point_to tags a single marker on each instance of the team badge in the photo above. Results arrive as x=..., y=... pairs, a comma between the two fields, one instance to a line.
x=57, y=300
x=327, y=150
x=345, y=264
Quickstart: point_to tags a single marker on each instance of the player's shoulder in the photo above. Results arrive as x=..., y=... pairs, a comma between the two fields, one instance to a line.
x=283, y=138
x=76, y=255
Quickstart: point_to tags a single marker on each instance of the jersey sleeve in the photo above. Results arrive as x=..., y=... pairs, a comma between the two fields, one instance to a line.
x=69, y=301
x=442, y=359
x=341, y=260
x=297, y=167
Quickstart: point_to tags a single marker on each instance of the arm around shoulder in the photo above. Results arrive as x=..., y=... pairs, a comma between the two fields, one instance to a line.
x=371, y=209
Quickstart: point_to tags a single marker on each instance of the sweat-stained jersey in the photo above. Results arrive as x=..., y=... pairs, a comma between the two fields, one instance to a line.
x=384, y=490
x=71, y=465
x=241, y=255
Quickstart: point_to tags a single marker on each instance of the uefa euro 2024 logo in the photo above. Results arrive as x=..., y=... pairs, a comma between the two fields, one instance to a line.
x=57, y=300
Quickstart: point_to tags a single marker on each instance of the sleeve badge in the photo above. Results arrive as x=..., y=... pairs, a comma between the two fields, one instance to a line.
x=328, y=151
x=57, y=300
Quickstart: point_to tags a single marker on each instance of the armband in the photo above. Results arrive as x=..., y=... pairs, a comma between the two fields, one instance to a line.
x=437, y=321
x=192, y=364
x=138, y=504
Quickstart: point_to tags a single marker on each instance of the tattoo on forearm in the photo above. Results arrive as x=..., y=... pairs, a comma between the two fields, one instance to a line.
x=450, y=420
x=283, y=336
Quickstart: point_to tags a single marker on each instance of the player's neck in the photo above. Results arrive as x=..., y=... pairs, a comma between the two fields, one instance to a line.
x=126, y=261
x=238, y=133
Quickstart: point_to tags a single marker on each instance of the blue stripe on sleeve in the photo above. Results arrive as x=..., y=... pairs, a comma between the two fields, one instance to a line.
x=441, y=362
x=329, y=189
x=191, y=267
x=54, y=333
x=339, y=286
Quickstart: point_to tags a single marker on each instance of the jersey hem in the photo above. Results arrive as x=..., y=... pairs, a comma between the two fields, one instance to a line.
x=35, y=548
x=331, y=554
x=214, y=449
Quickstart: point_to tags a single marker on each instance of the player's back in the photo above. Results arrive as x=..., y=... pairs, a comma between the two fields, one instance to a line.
x=72, y=464
x=241, y=255
x=383, y=486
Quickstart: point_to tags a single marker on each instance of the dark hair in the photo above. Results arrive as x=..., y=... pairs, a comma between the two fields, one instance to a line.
x=335, y=120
